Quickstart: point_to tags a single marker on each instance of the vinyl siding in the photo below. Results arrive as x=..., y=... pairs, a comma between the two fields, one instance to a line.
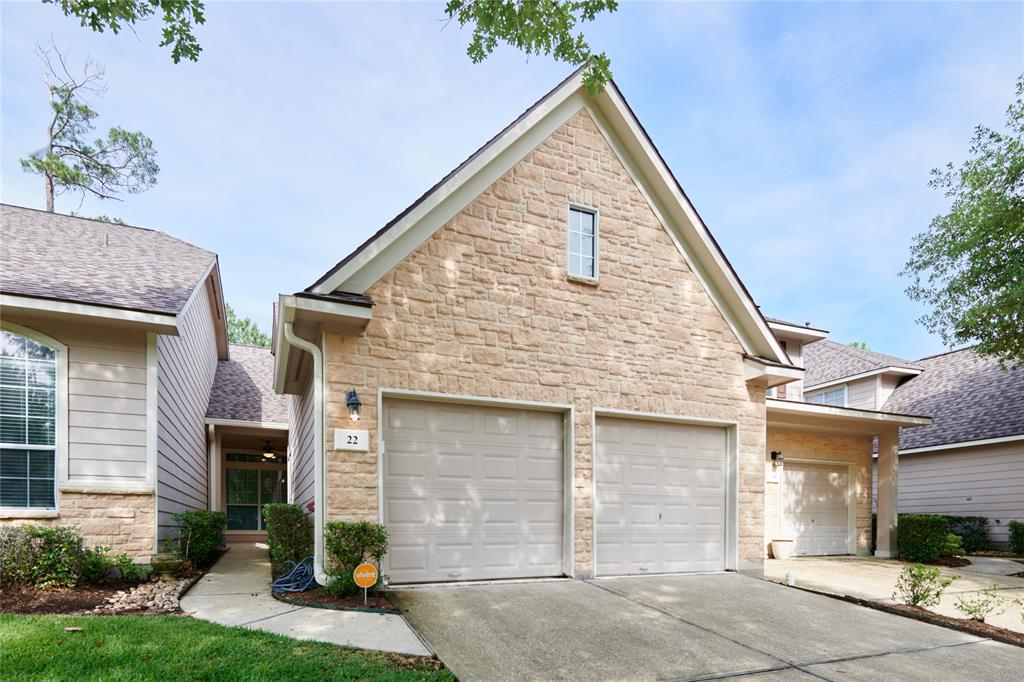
x=301, y=450
x=980, y=481
x=187, y=364
x=106, y=400
x=862, y=394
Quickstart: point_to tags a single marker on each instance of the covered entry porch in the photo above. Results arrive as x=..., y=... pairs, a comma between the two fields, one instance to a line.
x=818, y=478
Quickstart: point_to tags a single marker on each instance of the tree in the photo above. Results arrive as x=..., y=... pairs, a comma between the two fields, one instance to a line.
x=180, y=17
x=243, y=331
x=968, y=267
x=124, y=162
x=863, y=345
x=536, y=27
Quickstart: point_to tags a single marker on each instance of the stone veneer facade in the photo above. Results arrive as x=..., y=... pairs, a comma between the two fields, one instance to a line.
x=122, y=521
x=485, y=308
x=829, y=448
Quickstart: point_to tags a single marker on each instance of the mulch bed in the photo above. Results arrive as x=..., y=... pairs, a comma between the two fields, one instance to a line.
x=79, y=600
x=973, y=627
x=320, y=598
x=952, y=561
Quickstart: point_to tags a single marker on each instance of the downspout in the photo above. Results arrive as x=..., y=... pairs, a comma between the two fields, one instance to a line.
x=319, y=498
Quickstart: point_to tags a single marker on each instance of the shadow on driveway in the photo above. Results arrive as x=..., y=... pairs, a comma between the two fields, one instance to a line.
x=684, y=628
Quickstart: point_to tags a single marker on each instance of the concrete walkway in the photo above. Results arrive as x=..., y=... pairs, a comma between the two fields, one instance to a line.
x=875, y=579
x=236, y=591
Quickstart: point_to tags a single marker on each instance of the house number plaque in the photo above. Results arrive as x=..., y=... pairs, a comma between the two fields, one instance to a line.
x=357, y=440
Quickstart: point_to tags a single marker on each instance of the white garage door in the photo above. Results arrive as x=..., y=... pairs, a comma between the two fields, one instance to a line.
x=471, y=492
x=661, y=497
x=816, y=508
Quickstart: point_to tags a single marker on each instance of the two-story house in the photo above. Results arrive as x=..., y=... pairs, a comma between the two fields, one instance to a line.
x=546, y=366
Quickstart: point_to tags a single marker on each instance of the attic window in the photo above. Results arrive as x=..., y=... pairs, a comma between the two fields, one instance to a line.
x=582, y=243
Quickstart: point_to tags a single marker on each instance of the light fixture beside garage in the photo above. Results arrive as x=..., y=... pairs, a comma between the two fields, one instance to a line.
x=777, y=457
x=354, y=403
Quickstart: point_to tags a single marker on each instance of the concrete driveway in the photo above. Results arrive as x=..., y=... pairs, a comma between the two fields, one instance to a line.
x=724, y=626
x=874, y=579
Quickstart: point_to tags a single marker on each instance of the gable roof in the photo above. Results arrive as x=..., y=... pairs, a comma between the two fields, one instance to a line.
x=827, y=361
x=630, y=141
x=968, y=396
x=65, y=258
x=243, y=388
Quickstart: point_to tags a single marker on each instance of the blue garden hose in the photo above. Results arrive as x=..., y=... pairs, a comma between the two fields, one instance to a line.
x=299, y=579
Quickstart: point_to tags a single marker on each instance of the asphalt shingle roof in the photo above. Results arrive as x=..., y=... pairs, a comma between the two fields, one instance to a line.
x=243, y=388
x=55, y=256
x=968, y=397
x=827, y=360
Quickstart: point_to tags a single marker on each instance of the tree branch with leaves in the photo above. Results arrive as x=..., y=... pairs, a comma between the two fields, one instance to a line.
x=536, y=27
x=123, y=163
x=968, y=267
x=244, y=332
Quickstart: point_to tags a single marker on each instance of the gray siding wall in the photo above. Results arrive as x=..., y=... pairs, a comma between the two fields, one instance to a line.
x=301, y=451
x=186, y=364
x=979, y=481
x=862, y=394
x=106, y=400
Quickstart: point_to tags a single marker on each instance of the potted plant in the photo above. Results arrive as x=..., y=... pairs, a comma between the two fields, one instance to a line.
x=168, y=563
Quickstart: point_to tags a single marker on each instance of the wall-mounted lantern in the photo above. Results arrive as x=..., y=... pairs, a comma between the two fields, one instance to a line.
x=777, y=458
x=354, y=403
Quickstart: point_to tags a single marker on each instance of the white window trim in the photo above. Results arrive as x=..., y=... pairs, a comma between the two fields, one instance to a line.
x=60, y=441
x=811, y=394
x=597, y=242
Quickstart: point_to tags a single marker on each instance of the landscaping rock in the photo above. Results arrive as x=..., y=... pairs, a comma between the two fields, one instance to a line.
x=157, y=596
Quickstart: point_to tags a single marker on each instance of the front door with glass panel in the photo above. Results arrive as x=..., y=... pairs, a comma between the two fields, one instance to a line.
x=248, y=489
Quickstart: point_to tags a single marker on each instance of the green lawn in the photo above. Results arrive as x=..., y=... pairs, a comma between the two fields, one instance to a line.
x=178, y=648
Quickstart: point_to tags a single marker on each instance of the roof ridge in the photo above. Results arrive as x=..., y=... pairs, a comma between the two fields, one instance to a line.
x=947, y=352
x=868, y=354
x=108, y=224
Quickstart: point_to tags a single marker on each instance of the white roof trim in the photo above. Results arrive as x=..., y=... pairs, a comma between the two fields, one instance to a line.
x=169, y=323
x=804, y=333
x=277, y=426
x=794, y=407
x=963, y=444
x=891, y=369
x=630, y=142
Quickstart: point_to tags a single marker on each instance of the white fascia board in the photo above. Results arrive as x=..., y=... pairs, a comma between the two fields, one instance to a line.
x=963, y=444
x=338, y=308
x=769, y=375
x=285, y=306
x=902, y=371
x=793, y=407
x=277, y=426
x=805, y=334
x=390, y=248
x=158, y=322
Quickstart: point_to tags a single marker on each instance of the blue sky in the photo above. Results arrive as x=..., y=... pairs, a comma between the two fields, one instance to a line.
x=804, y=133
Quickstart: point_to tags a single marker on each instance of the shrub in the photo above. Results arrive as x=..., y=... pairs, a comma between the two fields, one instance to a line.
x=348, y=545
x=96, y=565
x=921, y=585
x=921, y=538
x=954, y=546
x=43, y=556
x=982, y=606
x=1017, y=538
x=201, y=534
x=129, y=570
x=289, y=535
x=973, y=530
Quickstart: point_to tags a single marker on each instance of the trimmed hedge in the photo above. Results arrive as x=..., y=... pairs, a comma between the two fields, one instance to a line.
x=1017, y=537
x=973, y=532
x=289, y=535
x=921, y=538
x=349, y=544
x=201, y=534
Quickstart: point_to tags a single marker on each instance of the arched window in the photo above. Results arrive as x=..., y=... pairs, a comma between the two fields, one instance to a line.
x=28, y=421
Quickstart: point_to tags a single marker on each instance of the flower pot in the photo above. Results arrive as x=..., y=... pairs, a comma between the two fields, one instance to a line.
x=166, y=565
x=782, y=548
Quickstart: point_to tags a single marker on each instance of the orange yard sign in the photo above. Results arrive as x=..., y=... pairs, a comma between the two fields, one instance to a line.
x=365, y=575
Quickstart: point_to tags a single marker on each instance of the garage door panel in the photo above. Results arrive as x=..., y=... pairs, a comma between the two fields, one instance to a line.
x=816, y=508
x=473, y=492
x=660, y=497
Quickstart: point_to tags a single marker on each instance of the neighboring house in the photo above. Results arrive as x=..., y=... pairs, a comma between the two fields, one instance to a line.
x=111, y=337
x=970, y=461
x=546, y=366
